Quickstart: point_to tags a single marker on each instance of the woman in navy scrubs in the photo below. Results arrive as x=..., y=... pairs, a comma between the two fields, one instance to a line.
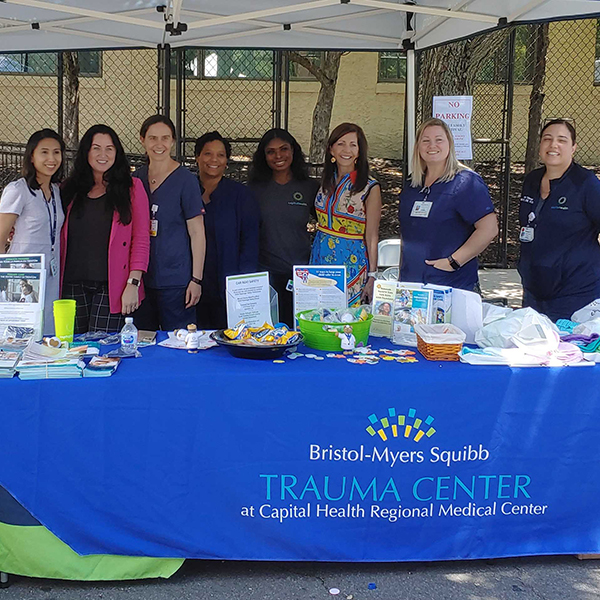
x=560, y=223
x=231, y=222
x=446, y=214
x=177, y=244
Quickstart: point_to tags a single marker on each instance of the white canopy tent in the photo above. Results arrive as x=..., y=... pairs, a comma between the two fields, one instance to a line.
x=37, y=25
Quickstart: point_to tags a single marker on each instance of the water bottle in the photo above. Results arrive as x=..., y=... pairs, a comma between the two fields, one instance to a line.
x=129, y=337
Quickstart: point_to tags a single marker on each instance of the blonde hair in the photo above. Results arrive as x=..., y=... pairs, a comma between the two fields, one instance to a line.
x=418, y=166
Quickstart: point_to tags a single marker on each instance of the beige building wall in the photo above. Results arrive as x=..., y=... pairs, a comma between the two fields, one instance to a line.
x=126, y=93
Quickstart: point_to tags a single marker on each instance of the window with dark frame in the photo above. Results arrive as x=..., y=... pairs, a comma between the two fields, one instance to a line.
x=597, y=55
x=299, y=72
x=226, y=64
x=494, y=70
x=46, y=63
x=392, y=67
x=240, y=64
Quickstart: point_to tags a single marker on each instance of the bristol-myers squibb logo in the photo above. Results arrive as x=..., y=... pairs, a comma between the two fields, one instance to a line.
x=396, y=425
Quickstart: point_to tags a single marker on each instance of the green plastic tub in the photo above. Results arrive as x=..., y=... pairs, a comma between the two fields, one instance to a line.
x=315, y=337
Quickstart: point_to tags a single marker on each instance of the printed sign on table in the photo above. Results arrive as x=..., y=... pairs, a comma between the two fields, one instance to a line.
x=22, y=290
x=319, y=287
x=456, y=112
x=248, y=298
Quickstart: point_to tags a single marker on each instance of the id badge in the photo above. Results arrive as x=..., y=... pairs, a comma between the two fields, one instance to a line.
x=421, y=209
x=527, y=234
x=290, y=286
x=153, y=227
x=53, y=267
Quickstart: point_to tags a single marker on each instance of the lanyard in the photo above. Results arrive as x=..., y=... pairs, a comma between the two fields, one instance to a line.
x=534, y=215
x=52, y=222
x=426, y=189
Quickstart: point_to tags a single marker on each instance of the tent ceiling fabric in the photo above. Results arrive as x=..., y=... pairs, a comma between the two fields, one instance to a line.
x=29, y=25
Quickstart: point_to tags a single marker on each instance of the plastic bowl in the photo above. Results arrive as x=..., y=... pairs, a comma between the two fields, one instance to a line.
x=253, y=352
x=315, y=337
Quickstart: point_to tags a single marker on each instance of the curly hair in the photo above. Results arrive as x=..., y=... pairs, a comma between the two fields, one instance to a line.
x=260, y=172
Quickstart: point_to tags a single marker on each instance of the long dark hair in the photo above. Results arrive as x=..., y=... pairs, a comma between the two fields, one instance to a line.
x=118, y=178
x=362, y=162
x=260, y=172
x=28, y=170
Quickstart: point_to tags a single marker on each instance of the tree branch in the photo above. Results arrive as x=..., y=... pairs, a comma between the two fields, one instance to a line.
x=309, y=66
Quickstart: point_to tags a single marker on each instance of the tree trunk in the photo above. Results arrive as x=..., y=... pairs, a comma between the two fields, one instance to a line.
x=536, y=99
x=451, y=70
x=324, y=107
x=71, y=100
x=327, y=74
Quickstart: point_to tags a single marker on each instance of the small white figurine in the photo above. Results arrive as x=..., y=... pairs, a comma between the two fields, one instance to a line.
x=192, y=339
x=347, y=339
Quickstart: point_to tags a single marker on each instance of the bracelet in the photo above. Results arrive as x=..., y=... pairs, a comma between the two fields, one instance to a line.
x=196, y=280
x=372, y=274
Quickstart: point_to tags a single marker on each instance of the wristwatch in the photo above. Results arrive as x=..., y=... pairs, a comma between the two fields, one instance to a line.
x=372, y=274
x=196, y=280
x=453, y=263
x=134, y=281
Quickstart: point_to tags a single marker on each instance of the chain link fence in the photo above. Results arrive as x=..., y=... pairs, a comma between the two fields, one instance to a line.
x=232, y=91
x=532, y=73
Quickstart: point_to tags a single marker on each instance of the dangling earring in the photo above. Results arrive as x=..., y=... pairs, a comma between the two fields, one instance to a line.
x=333, y=159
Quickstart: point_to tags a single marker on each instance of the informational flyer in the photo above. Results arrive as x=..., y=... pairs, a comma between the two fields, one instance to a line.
x=318, y=286
x=456, y=112
x=22, y=290
x=413, y=306
x=384, y=296
x=248, y=298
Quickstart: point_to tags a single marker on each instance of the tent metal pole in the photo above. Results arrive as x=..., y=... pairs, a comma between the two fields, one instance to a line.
x=411, y=103
x=165, y=78
x=61, y=93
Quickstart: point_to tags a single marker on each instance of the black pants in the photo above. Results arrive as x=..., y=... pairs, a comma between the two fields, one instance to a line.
x=93, y=307
x=164, y=308
x=286, y=299
x=211, y=313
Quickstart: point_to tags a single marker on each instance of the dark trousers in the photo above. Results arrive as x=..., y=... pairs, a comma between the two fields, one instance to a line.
x=164, y=309
x=211, y=313
x=558, y=308
x=93, y=307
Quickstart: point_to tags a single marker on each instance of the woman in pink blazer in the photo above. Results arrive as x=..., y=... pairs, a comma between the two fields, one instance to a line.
x=105, y=241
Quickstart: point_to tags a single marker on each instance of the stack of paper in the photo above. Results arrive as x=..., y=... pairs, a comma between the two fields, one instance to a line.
x=8, y=361
x=43, y=362
x=101, y=366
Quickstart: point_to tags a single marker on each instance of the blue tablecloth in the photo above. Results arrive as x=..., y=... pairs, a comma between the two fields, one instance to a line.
x=208, y=456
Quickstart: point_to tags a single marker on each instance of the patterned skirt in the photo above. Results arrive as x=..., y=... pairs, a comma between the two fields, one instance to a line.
x=329, y=249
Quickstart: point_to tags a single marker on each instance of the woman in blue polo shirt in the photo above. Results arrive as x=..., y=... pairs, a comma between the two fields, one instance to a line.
x=560, y=223
x=446, y=214
x=232, y=224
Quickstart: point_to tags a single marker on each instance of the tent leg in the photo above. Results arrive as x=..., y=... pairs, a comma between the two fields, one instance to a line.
x=4, y=583
x=411, y=103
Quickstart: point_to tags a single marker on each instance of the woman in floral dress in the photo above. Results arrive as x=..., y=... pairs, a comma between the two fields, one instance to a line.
x=348, y=207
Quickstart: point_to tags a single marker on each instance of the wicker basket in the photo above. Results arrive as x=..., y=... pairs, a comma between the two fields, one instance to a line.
x=439, y=350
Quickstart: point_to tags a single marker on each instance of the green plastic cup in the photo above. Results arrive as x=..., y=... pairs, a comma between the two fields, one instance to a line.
x=64, y=319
